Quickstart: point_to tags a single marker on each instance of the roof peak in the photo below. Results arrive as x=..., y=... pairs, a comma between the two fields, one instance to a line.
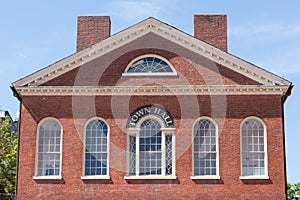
x=151, y=25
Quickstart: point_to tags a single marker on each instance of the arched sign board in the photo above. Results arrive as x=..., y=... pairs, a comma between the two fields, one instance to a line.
x=150, y=110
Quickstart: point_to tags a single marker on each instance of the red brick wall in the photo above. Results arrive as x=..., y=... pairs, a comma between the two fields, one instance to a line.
x=227, y=111
x=92, y=29
x=193, y=70
x=211, y=29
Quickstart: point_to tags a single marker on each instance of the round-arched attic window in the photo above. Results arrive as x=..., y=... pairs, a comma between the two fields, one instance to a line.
x=150, y=64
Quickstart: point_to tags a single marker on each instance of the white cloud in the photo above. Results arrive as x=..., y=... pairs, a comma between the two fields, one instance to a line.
x=22, y=55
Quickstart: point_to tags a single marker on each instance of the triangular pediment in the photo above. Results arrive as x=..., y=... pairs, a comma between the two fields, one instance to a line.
x=152, y=25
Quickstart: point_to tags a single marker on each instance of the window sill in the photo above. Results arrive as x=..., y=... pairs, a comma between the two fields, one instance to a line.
x=150, y=177
x=205, y=177
x=254, y=177
x=47, y=177
x=150, y=74
x=105, y=177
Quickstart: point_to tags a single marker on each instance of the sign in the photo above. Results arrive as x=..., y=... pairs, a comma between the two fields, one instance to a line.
x=150, y=110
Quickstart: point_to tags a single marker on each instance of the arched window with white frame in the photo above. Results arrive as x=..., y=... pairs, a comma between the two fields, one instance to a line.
x=151, y=146
x=205, y=149
x=253, y=148
x=149, y=65
x=96, y=149
x=49, y=145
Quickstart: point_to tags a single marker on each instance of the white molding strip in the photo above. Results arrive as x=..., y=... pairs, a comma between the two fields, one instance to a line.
x=151, y=90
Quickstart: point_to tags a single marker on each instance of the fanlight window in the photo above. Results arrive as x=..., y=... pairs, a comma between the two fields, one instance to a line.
x=150, y=65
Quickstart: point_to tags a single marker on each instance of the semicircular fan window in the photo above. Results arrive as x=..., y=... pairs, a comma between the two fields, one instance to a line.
x=149, y=64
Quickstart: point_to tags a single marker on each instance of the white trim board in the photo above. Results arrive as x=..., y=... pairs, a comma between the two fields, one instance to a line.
x=152, y=90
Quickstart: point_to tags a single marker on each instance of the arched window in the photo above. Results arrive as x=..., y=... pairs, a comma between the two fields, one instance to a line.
x=49, y=141
x=150, y=146
x=96, y=149
x=205, y=149
x=253, y=148
x=150, y=65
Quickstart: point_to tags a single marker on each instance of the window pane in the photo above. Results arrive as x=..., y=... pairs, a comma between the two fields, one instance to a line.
x=49, y=136
x=95, y=163
x=253, y=155
x=150, y=148
x=96, y=148
x=204, y=146
x=168, y=155
x=132, y=154
x=149, y=65
x=48, y=164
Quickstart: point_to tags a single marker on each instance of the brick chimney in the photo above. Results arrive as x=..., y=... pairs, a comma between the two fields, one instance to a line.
x=211, y=29
x=92, y=29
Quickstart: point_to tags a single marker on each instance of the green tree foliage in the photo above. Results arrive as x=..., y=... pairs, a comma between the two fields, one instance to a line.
x=293, y=191
x=8, y=159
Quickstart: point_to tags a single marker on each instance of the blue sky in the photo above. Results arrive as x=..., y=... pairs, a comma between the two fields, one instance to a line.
x=37, y=33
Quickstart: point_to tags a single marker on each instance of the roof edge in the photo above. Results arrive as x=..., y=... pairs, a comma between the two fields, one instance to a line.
x=160, y=28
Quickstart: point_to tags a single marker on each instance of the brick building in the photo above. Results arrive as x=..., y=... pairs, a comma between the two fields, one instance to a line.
x=152, y=113
x=14, y=123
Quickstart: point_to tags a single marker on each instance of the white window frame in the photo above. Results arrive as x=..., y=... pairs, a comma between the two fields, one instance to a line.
x=43, y=177
x=217, y=176
x=126, y=73
x=265, y=176
x=91, y=177
x=136, y=133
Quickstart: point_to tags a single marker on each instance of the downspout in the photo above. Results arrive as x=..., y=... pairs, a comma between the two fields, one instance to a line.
x=283, y=99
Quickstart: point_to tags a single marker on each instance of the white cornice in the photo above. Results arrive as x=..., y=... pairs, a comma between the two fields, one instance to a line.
x=163, y=30
x=152, y=90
